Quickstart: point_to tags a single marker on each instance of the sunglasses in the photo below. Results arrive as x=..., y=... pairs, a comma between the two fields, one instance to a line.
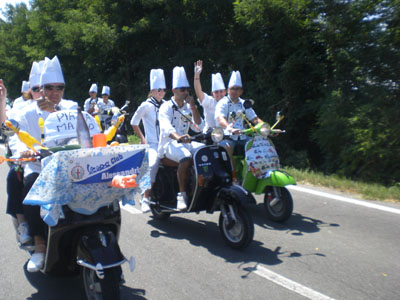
x=36, y=89
x=184, y=89
x=235, y=88
x=160, y=90
x=54, y=87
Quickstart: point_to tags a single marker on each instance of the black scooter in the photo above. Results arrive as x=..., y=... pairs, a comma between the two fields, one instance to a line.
x=85, y=245
x=210, y=189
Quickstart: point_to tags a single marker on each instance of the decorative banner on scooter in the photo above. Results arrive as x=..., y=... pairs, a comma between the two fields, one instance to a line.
x=61, y=125
x=261, y=157
x=104, y=167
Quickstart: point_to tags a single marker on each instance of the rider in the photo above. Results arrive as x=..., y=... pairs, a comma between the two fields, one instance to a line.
x=230, y=113
x=15, y=175
x=176, y=116
x=90, y=104
x=105, y=105
x=25, y=93
x=208, y=103
x=52, y=87
x=148, y=113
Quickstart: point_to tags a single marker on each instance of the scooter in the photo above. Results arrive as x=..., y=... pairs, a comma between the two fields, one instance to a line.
x=258, y=172
x=110, y=117
x=85, y=245
x=210, y=189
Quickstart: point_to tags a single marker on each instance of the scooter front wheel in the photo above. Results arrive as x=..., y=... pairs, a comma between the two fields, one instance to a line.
x=278, y=203
x=102, y=289
x=238, y=233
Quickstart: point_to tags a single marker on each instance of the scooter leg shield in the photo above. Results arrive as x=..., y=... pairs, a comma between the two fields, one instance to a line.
x=276, y=178
x=99, y=247
x=237, y=192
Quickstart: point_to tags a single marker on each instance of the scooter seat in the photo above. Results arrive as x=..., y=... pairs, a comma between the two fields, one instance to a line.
x=169, y=162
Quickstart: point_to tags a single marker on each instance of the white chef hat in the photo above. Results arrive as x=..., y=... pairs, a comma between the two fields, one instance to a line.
x=105, y=90
x=235, y=80
x=157, y=79
x=51, y=71
x=217, y=83
x=25, y=86
x=93, y=88
x=36, y=70
x=179, y=78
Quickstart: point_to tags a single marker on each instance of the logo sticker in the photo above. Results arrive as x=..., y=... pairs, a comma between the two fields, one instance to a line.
x=77, y=172
x=204, y=158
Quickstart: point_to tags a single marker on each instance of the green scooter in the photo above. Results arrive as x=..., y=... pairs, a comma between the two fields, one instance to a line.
x=258, y=171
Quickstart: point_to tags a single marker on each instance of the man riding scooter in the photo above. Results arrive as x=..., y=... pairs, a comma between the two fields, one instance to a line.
x=231, y=113
x=176, y=116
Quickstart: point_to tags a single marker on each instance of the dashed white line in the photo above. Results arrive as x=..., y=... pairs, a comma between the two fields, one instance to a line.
x=345, y=199
x=290, y=284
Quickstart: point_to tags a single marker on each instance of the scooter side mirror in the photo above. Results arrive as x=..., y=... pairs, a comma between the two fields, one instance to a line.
x=248, y=103
x=278, y=116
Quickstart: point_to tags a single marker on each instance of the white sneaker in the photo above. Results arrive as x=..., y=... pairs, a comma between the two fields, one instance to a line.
x=23, y=233
x=36, y=262
x=145, y=207
x=180, y=202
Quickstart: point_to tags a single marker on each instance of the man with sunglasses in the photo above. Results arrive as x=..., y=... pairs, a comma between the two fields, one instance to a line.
x=176, y=116
x=231, y=114
x=52, y=89
x=207, y=102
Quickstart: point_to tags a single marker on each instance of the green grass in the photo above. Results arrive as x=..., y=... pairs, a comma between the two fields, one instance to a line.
x=133, y=139
x=363, y=190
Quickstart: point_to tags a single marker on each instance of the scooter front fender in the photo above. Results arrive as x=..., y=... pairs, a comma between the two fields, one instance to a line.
x=236, y=192
x=99, y=247
x=276, y=178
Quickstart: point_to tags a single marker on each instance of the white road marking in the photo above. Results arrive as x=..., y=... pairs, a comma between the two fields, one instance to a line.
x=131, y=209
x=290, y=284
x=344, y=199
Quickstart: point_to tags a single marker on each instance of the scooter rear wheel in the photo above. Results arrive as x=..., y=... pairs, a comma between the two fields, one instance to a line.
x=278, y=210
x=102, y=289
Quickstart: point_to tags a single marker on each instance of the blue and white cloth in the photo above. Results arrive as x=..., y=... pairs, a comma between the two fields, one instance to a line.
x=80, y=179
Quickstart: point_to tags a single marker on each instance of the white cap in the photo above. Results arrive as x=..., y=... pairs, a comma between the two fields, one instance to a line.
x=157, y=79
x=235, y=80
x=179, y=78
x=105, y=90
x=93, y=88
x=217, y=83
x=51, y=72
x=25, y=86
x=36, y=70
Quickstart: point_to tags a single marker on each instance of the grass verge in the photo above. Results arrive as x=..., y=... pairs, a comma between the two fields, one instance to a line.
x=369, y=191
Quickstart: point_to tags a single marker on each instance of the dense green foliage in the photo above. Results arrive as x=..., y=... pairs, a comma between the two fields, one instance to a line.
x=331, y=66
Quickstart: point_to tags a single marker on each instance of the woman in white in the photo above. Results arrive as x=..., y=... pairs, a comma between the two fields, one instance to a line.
x=147, y=112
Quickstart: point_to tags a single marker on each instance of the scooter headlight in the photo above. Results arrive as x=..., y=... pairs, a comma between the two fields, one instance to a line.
x=265, y=130
x=217, y=134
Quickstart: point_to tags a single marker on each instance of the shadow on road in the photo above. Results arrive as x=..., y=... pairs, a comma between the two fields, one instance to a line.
x=67, y=288
x=297, y=224
x=206, y=234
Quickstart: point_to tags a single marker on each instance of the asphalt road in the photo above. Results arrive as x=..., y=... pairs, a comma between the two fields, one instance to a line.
x=329, y=249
